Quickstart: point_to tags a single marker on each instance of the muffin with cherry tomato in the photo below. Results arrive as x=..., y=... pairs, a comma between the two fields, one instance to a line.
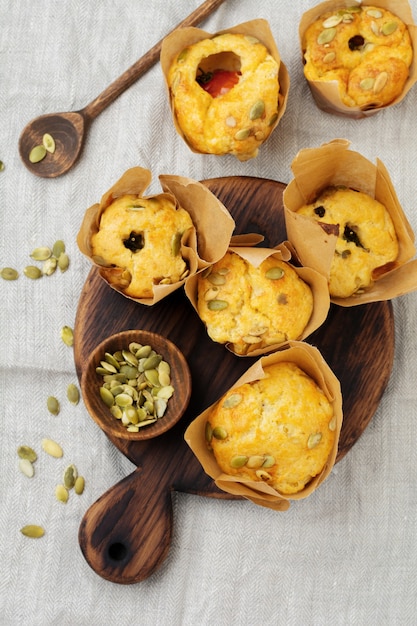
x=225, y=94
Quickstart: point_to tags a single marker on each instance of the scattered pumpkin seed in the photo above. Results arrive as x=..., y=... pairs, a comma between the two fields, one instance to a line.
x=217, y=305
x=332, y=21
x=9, y=273
x=79, y=485
x=52, y=448
x=367, y=83
x=326, y=36
x=374, y=13
x=41, y=254
x=32, y=530
x=233, y=400
x=1, y=166
x=26, y=467
x=257, y=110
x=238, y=461
x=263, y=475
x=329, y=57
x=242, y=134
x=49, y=143
x=208, y=432
x=274, y=273
x=219, y=432
x=388, y=28
x=63, y=261
x=70, y=476
x=33, y=272
x=216, y=278
x=176, y=244
x=273, y=119
x=26, y=452
x=49, y=266
x=37, y=153
x=67, y=336
x=380, y=81
x=61, y=493
x=255, y=461
x=269, y=461
x=53, y=405
x=73, y=394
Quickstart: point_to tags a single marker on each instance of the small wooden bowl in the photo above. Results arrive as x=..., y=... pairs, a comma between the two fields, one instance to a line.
x=180, y=380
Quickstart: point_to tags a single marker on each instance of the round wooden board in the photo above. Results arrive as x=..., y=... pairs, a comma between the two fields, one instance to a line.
x=126, y=534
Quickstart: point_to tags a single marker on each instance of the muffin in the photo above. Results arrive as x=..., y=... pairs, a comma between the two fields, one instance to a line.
x=280, y=429
x=366, y=50
x=141, y=239
x=366, y=239
x=227, y=91
x=251, y=307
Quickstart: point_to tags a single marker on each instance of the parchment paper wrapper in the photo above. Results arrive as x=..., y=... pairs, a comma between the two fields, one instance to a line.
x=326, y=94
x=255, y=256
x=180, y=38
x=312, y=363
x=334, y=164
x=202, y=245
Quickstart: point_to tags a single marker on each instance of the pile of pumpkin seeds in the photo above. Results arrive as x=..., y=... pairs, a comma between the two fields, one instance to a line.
x=38, y=152
x=50, y=259
x=136, y=385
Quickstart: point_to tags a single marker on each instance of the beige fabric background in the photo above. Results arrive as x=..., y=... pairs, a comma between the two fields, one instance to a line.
x=347, y=555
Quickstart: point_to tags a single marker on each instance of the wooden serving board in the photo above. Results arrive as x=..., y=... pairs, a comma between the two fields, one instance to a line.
x=126, y=534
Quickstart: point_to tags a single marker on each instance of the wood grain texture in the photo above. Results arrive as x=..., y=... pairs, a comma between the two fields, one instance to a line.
x=126, y=534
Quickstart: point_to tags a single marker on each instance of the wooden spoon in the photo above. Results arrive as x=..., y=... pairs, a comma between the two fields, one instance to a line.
x=68, y=129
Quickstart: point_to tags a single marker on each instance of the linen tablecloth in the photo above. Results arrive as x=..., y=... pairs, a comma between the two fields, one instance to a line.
x=347, y=554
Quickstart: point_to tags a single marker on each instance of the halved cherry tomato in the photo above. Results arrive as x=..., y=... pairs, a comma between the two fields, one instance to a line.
x=219, y=82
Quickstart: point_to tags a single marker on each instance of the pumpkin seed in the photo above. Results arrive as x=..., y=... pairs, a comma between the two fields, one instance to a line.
x=69, y=476
x=255, y=461
x=37, y=154
x=233, y=400
x=269, y=461
x=216, y=278
x=32, y=530
x=79, y=485
x=176, y=244
x=367, y=83
x=314, y=440
x=61, y=493
x=49, y=266
x=238, y=461
x=67, y=336
x=219, y=432
x=389, y=27
x=63, y=261
x=58, y=248
x=152, y=361
x=242, y=134
x=41, y=254
x=9, y=273
x=374, y=13
x=1, y=166
x=257, y=110
x=332, y=423
x=274, y=273
x=326, y=36
x=208, y=432
x=263, y=475
x=380, y=81
x=73, y=394
x=33, y=272
x=273, y=119
x=52, y=448
x=26, y=467
x=375, y=28
x=26, y=452
x=217, y=305
x=49, y=143
x=332, y=21
x=329, y=57
x=53, y=405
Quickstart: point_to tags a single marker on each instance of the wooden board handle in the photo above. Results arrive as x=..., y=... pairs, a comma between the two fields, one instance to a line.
x=126, y=533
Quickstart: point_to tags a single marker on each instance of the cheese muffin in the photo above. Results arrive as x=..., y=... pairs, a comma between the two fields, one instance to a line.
x=366, y=49
x=141, y=239
x=366, y=239
x=279, y=429
x=224, y=92
x=252, y=307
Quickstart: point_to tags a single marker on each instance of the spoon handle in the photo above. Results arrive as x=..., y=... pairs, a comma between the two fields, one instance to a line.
x=143, y=64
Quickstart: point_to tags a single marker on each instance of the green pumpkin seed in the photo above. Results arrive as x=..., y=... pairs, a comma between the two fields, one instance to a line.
x=255, y=461
x=257, y=110
x=219, y=432
x=106, y=396
x=49, y=266
x=41, y=254
x=52, y=448
x=208, y=432
x=67, y=335
x=326, y=36
x=176, y=244
x=367, y=83
x=329, y=57
x=143, y=352
x=332, y=21
x=49, y=143
x=217, y=305
x=123, y=400
x=58, y=248
x=274, y=273
x=37, y=154
x=73, y=394
x=61, y=493
x=389, y=27
x=116, y=411
x=238, y=461
x=1, y=166
x=216, y=278
x=33, y=272
x=63, y=261
x=26, y=452
x=69, y=477
x=53, y=405
x=151, y=362
x=9, y=273
x=273, y=119
x=263, y=475
x=233, y=400
x=242, y=134
x=32, y=530
x=79, y=485
x=269, y=461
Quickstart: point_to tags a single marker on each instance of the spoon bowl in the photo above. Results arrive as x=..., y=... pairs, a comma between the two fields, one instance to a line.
x=68, y=129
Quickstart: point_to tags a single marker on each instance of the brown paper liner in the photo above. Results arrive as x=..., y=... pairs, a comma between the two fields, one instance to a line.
x=334, y=164
x=202, y=245
x=326, y=94
x=255, y=256
x=180, y=38
x=312, y=363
